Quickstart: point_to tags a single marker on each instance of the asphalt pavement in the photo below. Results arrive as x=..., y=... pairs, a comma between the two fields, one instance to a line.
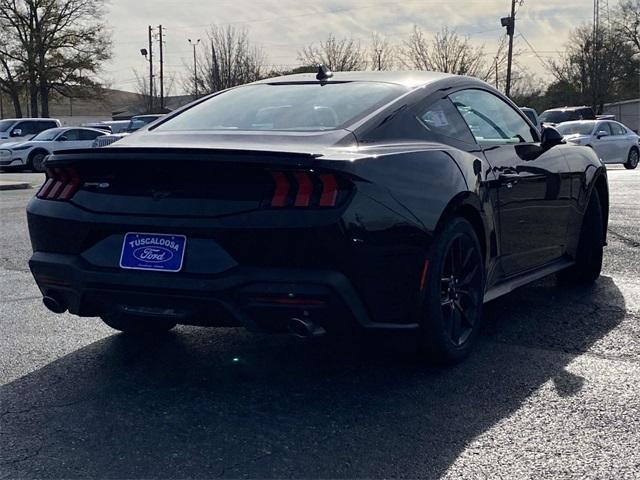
x=552, y=391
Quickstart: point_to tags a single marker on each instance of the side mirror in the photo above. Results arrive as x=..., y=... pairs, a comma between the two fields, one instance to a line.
x=62, y=138
x=550, y=138
x=16, y=132
x=602, y=133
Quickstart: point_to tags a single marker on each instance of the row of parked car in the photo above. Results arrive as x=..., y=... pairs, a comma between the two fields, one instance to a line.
x=611, y=140
x=26, y=142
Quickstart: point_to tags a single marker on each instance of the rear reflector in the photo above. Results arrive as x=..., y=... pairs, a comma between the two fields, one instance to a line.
x=305, y=189
x=61, y=184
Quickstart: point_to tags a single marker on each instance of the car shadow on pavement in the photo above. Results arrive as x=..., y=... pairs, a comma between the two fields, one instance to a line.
x=208, y=403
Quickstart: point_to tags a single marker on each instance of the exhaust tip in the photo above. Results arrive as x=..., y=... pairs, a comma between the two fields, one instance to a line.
x=305, y=328
x=53, y=304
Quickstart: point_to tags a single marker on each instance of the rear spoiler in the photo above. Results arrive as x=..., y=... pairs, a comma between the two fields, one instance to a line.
x=124, y=154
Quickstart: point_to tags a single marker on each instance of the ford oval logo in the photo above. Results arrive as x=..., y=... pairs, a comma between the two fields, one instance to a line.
x=153, y=254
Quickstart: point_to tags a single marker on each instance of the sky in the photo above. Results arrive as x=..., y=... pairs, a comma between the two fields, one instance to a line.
x=283, y=27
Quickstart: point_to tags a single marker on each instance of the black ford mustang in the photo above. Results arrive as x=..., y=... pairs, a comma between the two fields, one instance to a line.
x=306, y=203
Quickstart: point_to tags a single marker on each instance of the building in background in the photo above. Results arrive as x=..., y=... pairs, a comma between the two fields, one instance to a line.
x=627, y=112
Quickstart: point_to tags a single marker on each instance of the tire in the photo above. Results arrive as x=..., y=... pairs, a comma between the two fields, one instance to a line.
x=134, y=325
x=453, y=294
x=35, y=161
x=588, y=264
x=632, y=159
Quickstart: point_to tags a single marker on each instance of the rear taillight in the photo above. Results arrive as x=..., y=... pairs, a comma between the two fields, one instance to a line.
x=61, y=184
x=306, y=189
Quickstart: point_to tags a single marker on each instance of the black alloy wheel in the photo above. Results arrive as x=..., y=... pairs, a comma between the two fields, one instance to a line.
x=454, y=293
x=459, y=284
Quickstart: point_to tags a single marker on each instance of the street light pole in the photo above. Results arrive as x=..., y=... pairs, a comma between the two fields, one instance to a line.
x=195, y=65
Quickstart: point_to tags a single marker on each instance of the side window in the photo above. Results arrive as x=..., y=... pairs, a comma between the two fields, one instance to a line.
x=42, y=126
x=443, y=120
x=27, y=128
x=604, y=127
x=89, y=135
x=72, y=135
x=617, y=129
x=491, y=119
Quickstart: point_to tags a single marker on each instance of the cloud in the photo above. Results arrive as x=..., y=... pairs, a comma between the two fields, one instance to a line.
x=283, y=27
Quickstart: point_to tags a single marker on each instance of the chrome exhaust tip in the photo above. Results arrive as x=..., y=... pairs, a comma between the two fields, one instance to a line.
x=305, y=328
x=54, y=304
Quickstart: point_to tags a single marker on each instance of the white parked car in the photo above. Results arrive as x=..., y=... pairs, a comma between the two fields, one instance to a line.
x=612, y=141
x=19, y=129
x=134, y=124
x=31, y=154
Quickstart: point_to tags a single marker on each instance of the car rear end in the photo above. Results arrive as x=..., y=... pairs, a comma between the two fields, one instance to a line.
x=208, y=238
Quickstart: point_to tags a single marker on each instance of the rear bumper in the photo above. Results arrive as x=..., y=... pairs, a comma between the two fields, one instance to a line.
x=257, y=298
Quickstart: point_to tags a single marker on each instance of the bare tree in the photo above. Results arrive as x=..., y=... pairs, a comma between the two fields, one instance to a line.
x=228, y=59
x=446, y=52
x=338, y=55
x=146, y=103
x=62, y=43
x=11, y=74
x=626, y=23
x=597, y=71
x=382, y=54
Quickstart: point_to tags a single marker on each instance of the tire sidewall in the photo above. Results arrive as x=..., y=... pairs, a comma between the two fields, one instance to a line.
x=435, y=340
x=632, y=164
x=34, y=164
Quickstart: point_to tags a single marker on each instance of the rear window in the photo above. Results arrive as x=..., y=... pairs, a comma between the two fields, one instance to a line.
x=302, y=107
x=559, y=116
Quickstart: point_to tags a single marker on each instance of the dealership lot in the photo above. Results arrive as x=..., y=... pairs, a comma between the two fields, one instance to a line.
x=551, y=392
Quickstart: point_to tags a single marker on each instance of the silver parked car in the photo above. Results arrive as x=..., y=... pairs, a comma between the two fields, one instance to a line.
x=134, y=124
x=612, y=141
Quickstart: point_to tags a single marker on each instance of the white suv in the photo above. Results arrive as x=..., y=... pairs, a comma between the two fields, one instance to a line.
x=20, y=129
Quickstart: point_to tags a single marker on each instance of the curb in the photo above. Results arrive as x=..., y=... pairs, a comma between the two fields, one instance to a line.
x=14, y=185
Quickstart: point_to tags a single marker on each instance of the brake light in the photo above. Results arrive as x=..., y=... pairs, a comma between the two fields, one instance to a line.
x=61, y=184
x=305, y=189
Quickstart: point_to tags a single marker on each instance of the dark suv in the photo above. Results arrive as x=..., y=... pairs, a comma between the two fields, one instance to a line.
x=554, y=116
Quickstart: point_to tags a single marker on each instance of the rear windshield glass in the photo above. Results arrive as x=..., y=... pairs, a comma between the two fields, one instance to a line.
x=308, y=107
x=575, y=128
x=559, y=116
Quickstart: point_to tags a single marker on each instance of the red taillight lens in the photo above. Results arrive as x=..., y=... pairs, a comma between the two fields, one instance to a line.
x=61, y=184
x=306, y=189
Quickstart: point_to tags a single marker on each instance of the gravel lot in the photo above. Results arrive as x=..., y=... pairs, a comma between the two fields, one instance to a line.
x=551, y=391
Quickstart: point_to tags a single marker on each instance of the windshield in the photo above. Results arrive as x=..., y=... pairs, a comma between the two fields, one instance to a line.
x=559, y=116
x=136, y=123
x=47, y=135
x=6, y=125
x=299, y=106
x=579, y=128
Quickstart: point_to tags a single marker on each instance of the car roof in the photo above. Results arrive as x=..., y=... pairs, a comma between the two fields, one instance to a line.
x=31, y=119
x=411, y=79
x=565, y=109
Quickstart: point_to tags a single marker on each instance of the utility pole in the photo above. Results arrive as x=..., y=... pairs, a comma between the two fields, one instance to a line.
x=195, y=64
x=150, y=69
x=510, y=23
x=161, y=39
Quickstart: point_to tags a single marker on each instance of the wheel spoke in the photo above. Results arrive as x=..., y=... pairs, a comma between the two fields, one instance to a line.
x=455, y=326
x=464, y=314
x=470, y=276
